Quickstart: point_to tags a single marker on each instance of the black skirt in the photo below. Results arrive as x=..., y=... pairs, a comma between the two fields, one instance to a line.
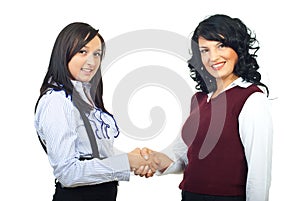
x=100, y=192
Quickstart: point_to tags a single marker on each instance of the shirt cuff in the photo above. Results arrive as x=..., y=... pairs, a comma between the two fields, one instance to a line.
x=174, y=168
x=120, y=166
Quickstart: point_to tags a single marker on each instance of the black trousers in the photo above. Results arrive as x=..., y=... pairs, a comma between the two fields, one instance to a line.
x=100, y=192
x=188, y=196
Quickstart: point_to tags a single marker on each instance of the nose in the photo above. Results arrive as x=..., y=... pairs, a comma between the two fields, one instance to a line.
x=91, y=60
x=214, y=55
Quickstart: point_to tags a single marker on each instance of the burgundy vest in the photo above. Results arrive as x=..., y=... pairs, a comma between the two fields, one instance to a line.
x=216, y=158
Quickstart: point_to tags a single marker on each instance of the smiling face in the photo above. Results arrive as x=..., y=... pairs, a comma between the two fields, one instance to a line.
x=85, y=63
x=218, y=60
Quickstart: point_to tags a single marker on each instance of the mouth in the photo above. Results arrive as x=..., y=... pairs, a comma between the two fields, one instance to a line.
x=218, y=66
x=86, y=70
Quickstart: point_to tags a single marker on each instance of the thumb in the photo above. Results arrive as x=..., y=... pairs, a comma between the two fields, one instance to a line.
x=145, y=152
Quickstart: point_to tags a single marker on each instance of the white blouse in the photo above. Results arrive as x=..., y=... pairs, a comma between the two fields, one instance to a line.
x=61, y=128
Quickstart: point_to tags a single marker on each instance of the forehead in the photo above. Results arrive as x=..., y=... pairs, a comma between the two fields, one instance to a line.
x=204, y=42
x=95, y=43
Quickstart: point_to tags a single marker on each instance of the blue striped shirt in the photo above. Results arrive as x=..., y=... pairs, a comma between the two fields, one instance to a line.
x=61, y=128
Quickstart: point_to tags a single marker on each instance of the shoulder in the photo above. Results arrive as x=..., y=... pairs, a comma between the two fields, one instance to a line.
x=197, y=98
x=198, y=95
x=54, y=99
x=257, y=98
x=245, y=90
x=257, y=104
x=256, y=93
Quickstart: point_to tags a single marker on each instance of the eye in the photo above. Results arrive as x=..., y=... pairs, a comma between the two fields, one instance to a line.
x=98, y=54
x=203, y=50
x=221, y=45
x=82, y=52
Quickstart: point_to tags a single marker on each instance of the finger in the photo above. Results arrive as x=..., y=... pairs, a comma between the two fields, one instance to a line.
x=145, y=171
x=139, y=170
x=149, y=174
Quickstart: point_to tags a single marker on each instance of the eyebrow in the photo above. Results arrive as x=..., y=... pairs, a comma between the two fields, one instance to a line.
x=207, y=47
x=202, y=47
x=89, y=48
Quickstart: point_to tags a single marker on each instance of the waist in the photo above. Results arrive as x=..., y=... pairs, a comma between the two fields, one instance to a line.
x=186, y=195
x=101, y=185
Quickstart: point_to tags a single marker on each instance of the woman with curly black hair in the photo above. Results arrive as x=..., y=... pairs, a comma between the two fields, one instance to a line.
x=228, y=135
x=231, y=33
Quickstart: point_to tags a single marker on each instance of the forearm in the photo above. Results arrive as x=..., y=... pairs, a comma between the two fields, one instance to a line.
x=174, y=168
x=78, y=173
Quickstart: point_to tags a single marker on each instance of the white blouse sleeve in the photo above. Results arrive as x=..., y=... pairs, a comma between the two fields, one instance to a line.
x=256, y=131
x=179, y=158
x=55, y=125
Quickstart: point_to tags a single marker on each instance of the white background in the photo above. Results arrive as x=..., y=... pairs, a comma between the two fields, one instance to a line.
x=28, y=31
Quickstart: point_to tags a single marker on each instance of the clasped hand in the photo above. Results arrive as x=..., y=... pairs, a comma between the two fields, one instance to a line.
x=145, y=162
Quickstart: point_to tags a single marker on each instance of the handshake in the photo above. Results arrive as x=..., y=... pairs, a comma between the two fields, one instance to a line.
x=145, y=162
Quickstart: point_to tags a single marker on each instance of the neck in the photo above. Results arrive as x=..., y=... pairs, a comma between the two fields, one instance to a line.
x=223, y=83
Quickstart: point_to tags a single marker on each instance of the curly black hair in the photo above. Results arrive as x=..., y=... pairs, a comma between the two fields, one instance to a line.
x=233, y=33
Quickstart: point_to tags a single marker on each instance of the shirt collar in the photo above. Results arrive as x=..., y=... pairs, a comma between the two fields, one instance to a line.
x=238, y=82
x=83, y=88
x=79, y=86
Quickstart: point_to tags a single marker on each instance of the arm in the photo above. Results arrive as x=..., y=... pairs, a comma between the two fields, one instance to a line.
x=256, y=134
x=163, y=163
x=56, y=126
x=180, y=159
